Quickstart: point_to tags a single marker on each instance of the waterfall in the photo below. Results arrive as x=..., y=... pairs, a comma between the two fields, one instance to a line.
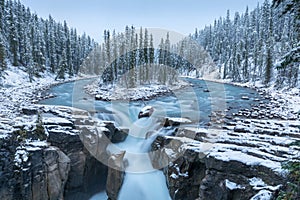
x=141, y=180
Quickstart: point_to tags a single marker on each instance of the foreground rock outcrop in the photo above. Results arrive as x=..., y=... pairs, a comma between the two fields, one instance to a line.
x=240, y=161
x=52, y=152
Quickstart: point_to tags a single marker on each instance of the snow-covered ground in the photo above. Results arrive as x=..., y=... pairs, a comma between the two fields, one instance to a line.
x=143, y=92
x=290, y=97
x=17, y=91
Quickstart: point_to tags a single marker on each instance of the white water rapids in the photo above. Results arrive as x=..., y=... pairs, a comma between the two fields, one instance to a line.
x=141, y=180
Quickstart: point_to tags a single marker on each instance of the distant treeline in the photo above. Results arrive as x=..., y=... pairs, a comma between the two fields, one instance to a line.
x=132, y=59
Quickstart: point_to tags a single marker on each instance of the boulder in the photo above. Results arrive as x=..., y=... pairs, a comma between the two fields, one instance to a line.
x=30, y=110
x=146, y=112
x=173, y=121
x=114, y=134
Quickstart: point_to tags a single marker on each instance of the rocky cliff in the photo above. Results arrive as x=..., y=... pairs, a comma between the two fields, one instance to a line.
x=240, y=158
x=43, y=156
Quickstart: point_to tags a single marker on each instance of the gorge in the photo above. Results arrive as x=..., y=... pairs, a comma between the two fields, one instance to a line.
x=225, y=153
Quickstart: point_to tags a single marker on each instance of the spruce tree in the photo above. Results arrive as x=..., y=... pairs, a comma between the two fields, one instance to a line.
x=3, y=64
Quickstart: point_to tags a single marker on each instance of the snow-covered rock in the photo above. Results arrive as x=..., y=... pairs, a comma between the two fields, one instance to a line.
x=263, y=195
x=245, y=147
x=42, y=167
x=146, y=112
x=175, y=121
x=232, y=186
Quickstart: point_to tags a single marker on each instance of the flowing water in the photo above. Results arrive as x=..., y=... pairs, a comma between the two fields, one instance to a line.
x=141, y=180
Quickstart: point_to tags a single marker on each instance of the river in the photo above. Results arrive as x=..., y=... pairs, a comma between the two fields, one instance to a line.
x=196, y=102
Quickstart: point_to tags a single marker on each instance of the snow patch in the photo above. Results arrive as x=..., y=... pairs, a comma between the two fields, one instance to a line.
x=232, y=186
x=21, y=156
x=56, y=121
x=263, y=195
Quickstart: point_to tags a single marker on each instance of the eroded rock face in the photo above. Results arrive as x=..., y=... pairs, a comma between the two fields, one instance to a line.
x=41, y=173
x=115, y=175
x=60, y=167
x=226, y=163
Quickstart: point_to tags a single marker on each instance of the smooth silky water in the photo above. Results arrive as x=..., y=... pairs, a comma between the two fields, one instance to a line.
x=141, y=180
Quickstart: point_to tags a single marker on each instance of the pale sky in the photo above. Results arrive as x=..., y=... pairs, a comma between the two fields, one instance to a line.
x=94, y=16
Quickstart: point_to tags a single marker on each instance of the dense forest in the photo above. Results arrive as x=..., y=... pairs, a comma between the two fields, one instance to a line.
x=39, y=45
x=132, y=59
x=259, y=45
x=256, y=46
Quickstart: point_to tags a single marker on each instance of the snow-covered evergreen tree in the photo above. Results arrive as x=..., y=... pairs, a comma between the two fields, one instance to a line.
x=37, y=44
x=249, y=46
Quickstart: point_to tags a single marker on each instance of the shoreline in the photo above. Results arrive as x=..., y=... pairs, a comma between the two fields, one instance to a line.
x=141, y=93
x=289, y=99
x=18, y=95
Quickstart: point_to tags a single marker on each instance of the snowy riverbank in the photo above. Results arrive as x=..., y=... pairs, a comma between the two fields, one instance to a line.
x=286, y=100
x=17, y=91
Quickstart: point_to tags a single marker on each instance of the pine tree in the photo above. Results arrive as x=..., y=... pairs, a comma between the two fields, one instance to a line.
x=67, y=42
x=247, y=32
x=141, y=57
x=115, y=55
x=13, y=37
x=227, y=39
x=269, y=47
x=3, y=64
x=63, y=66
x=151, y=57
x=133, y=59
x=2, y=14
x=146, y=56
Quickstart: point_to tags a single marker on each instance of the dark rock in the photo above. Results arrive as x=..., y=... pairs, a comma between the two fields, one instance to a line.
x=213, y=186
x=245, y=97
x=242, y=129
x=60, y=168
x=42, y=176
x=196, y=134
x=175, y=121
x=193, y=174
x=146, y=112
x=114, y=134
x=185, y=176
x=87, y=175
x=120, y=135
x=30, y=110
